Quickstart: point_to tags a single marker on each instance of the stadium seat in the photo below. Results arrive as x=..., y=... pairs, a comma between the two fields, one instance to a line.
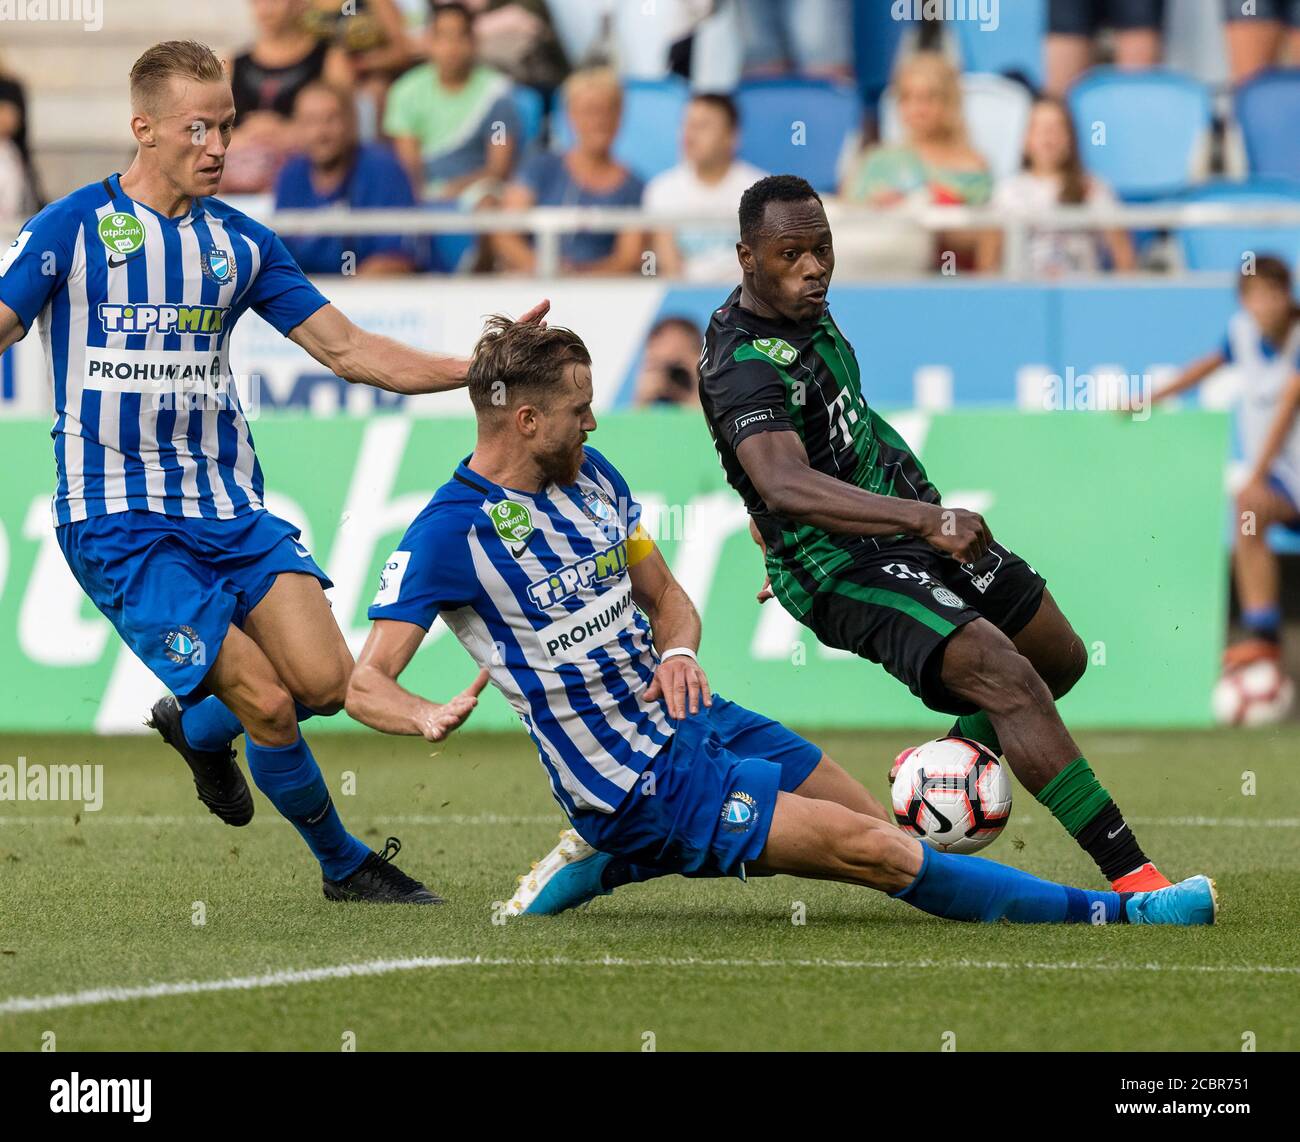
x=1221, y=248
x=769, y=112
x=997, y=113
x=876, y=38
x=1267, y=110
x=530, y=107
x=1155, y=122
x=1014, y=47
x=649, y=138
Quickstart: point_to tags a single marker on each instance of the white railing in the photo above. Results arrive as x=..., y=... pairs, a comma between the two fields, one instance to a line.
x=548, y=224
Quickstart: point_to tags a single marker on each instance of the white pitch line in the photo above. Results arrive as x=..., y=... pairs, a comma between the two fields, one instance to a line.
x=144, y=820
x=26, y=1004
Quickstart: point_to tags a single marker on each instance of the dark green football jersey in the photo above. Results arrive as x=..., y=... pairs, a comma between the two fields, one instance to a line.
x=764, y=375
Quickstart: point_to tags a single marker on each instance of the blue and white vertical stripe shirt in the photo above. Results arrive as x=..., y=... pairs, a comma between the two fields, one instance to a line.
x=135, y=311
x=536, y=588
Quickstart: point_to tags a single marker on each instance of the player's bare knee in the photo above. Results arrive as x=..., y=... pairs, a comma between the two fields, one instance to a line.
x=1012, y=684
x=327, y=692
x=270, y=716
x=1069, y=669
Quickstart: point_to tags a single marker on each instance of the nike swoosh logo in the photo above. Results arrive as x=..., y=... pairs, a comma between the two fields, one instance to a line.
x=1116, y=833
x=112, y=265
x=518, y=551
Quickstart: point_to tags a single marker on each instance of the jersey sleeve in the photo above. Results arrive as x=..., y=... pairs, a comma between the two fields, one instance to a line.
x=746, y=396
x=281, y=293
x=429, y=572
x=629, y=509
x=36, y=263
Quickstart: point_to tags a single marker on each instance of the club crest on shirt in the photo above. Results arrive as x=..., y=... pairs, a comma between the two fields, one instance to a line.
x=218, y=266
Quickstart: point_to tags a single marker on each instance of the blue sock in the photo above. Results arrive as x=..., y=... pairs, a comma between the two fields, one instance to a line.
x=210, y=724
x=1263, y=622
x=971, y=888
x=292, y=782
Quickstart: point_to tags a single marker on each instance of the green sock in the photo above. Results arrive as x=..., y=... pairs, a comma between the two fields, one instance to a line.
x=978, y=728
x=1074, y=796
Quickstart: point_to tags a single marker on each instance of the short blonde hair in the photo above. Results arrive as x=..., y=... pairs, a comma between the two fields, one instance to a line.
x=595, y=79
x=185, y=59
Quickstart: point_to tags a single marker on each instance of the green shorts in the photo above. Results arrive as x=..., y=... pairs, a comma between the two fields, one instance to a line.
x=898, y=603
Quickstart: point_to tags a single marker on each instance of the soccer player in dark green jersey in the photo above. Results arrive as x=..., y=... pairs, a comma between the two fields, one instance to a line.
x=858, y=544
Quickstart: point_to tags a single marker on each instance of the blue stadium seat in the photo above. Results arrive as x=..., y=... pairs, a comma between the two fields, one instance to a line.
x=530, y=107
x=769, y=111
x=649, y=138
x=876, y=36
x=1154, y=123
x=1014, y=47
x=1221, y=249
x=1267, y=109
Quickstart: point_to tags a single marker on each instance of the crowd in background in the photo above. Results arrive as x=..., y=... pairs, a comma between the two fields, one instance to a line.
x=456, y=106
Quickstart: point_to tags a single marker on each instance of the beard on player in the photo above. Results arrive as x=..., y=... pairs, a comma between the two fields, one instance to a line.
x=560, y=463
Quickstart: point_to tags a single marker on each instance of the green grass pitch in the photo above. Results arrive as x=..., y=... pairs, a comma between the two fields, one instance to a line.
x=109, y=903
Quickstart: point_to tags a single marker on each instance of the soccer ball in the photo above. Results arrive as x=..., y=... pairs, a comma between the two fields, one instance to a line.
x=1257, y=694
x=953, y=794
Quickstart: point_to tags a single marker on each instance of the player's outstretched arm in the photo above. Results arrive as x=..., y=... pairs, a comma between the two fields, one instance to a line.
x=11, y=327
x=675, y=626
x=367, y=358
x=1190, y=377
x=778, y=466
x=376, y=699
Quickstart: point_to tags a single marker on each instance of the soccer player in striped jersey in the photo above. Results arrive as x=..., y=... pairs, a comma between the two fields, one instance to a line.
x=136, y=283
x=858, y=545
x=534, y=555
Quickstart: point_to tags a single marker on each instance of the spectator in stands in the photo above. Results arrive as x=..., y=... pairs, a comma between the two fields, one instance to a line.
x=452, y=119
x=1072, y=26
x=266, y=79
x=807, y=37
x=710, y=179
x=1263, y=344
x=935, y=164
x=1052, y=174
x=372, y=36
x=335, y=170
x=518, y=38
x=585, y=175
x=670, y=365
x=13, y=141
x=1260, y=34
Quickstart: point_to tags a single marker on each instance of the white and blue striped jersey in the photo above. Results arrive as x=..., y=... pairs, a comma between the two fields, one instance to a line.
x=135, y=311
x=536, y=588
x=1266, y=370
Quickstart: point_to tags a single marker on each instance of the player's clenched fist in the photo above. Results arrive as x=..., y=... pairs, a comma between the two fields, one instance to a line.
x=681, y=682
x=957, y=532
x=440, y=720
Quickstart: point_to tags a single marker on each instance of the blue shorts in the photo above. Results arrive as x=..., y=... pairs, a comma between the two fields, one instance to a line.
x=709, y=807
x=172, y=587
x=1291, y=525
